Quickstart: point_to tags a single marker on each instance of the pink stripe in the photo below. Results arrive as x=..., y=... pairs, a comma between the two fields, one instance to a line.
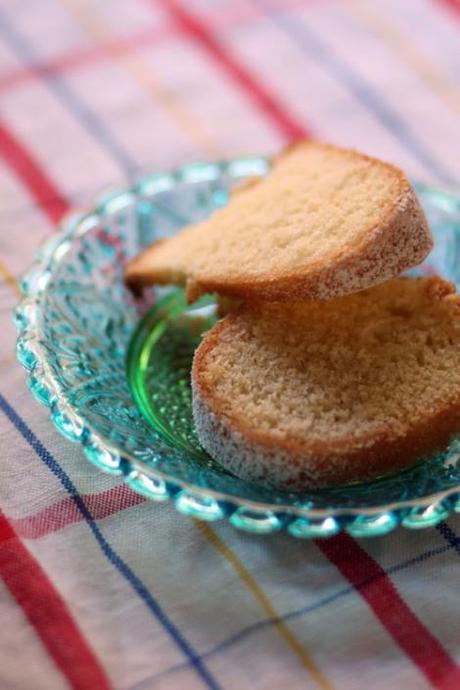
x=352, y=561
x=55, y=517
x=85, y=56
x=220, y=18
x=47, y=612
x=379, y=592
x=248, y=83
x=453, y=6
x=110, y=502
x=34, y=178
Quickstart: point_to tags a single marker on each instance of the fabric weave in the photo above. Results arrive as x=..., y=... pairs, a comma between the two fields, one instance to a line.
x=100, y=588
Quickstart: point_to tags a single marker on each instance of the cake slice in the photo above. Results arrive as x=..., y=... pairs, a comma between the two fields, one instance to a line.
x=326, y=221
x=320, y=394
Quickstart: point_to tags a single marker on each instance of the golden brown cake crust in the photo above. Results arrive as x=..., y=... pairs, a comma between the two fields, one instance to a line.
x=400, y=239
x=295, y=464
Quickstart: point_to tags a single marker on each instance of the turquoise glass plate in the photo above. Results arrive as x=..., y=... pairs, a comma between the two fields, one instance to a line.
x=114, y=372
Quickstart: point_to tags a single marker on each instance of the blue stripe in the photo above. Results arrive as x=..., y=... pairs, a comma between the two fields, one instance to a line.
x=449, y=535
x=365, y=94
x=256, y=627
x=69, y=98
x=126, y=572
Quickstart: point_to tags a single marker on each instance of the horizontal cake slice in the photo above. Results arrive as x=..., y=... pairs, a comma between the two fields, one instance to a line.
x=326, y=221
x=320, y=394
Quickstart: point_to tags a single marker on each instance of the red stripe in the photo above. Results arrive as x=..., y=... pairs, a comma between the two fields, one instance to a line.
x=48, y=614
x=376, y=588
x=452, y=5
x=218, y=16
x=197, y=30
x=65, y=512
x=39, y=185
x=352, y=561
x=345, y=554
x=80, y=58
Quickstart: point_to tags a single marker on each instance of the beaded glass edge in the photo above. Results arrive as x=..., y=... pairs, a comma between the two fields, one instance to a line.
x=204, y=504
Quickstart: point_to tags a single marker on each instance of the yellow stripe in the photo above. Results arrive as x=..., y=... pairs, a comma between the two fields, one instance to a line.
x=265, y=604
x=9, y=279
x=231, y=557
x=401, y=44
x=13, y=284
x=172, y=105
x=145, y=76
x=7, y=359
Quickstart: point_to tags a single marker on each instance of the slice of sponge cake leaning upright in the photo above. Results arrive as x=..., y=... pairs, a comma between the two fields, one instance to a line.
x=325, y=222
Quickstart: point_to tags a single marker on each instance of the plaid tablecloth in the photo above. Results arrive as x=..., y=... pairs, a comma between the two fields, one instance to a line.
x=98, y=587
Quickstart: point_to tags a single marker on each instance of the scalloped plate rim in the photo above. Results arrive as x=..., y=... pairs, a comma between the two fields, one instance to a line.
x=65, y=234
